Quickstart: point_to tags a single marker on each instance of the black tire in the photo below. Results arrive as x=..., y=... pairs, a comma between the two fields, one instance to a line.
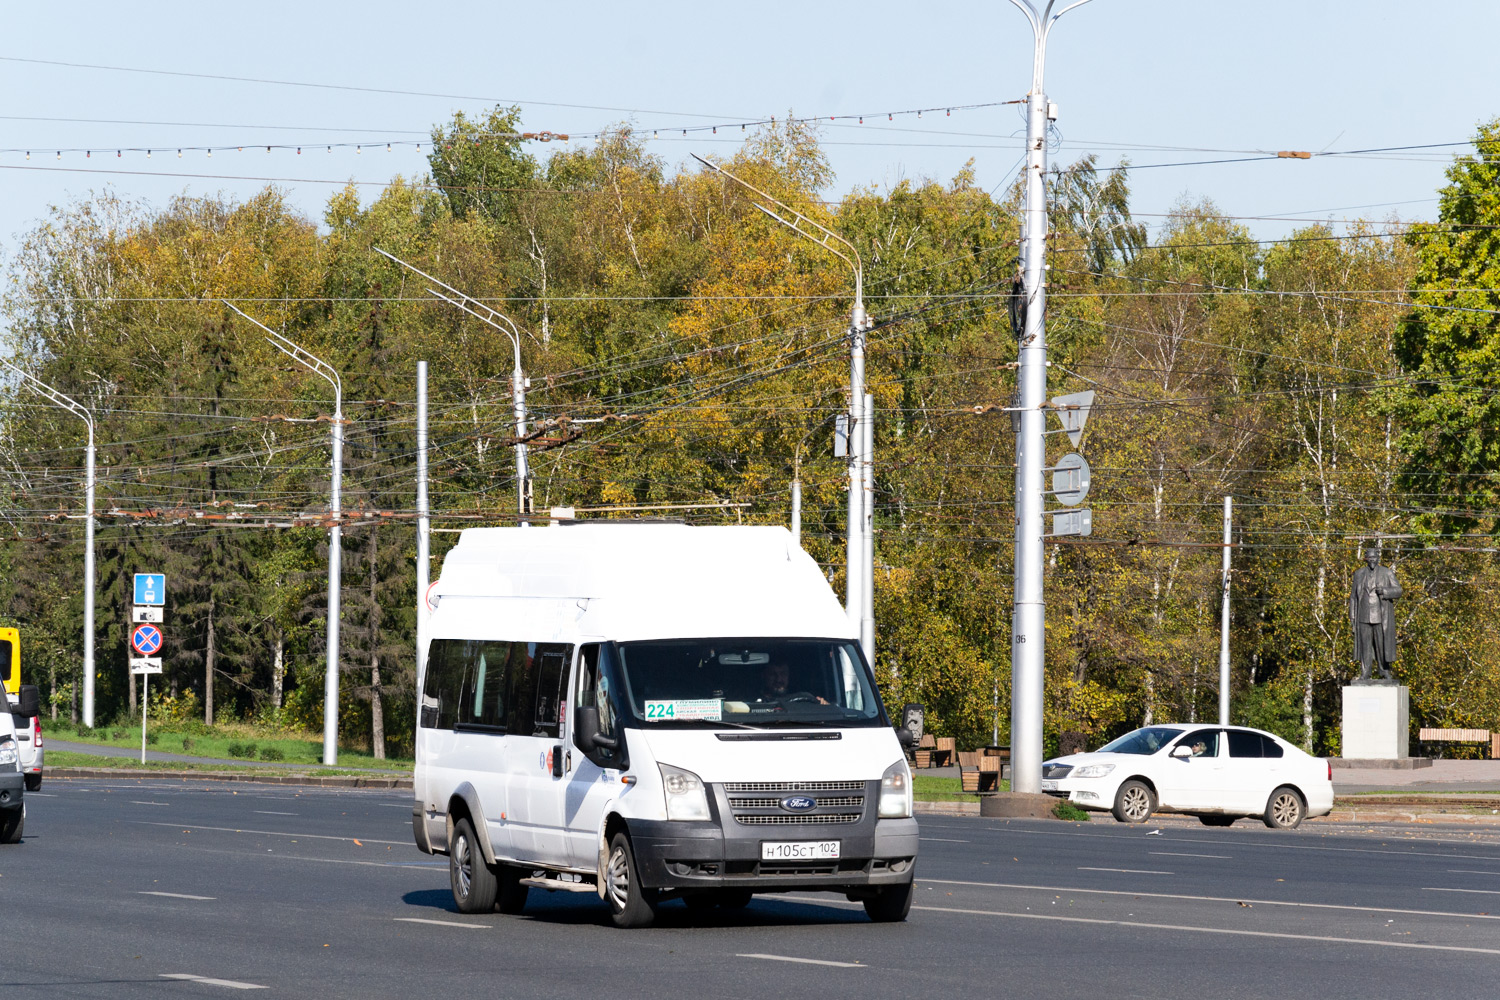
x=474, y=885
x=733, y=899
x=1134, y=802
x=1217, y=819
x=630, y=904
x=700, y=902
x=33, y=782
x=890, y=904
x=12, y=825
x=1285, y=809
x=511, y=896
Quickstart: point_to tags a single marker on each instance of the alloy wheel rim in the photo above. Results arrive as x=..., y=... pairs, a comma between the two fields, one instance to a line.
x=617, y=879
x=1285, y=809
x=461, y=865
x=1135, y=803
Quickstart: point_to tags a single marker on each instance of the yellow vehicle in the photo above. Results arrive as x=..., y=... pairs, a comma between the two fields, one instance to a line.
x=10, y=660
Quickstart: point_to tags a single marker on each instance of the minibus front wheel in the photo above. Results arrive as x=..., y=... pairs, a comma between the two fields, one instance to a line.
x=630, y=904
x=474, y=885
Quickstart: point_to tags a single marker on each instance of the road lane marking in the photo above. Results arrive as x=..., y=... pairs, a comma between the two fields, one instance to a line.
x=1470, y=871
x=1482, y=892
x=1179, y=854
x=807, y=961
x=174, y=895
x=1238, y=932
x=40, y=795
x=1053, y=834
x=272, y=833
x=230, y=983
x=370, y=864
x=945, y=840
x=138, y=802
x=440, y=923
x=1216, y=899
x=272, y=812
x=1127, y=871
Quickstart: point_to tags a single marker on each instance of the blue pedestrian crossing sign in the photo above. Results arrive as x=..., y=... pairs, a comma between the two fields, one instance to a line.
x=151, y=589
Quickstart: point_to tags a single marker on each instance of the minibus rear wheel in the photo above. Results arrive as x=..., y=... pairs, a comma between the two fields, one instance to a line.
x=474, y=885
x=630, y=904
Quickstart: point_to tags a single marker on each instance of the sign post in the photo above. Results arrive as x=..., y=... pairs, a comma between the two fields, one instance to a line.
x=146, y=638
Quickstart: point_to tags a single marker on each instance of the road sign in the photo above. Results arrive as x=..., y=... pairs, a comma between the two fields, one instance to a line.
x=1070, y=479
x=1073, y=410
x=145, y=640
x=146, y=614
x=151, y=588
x=1072, y=522
x=145, y=664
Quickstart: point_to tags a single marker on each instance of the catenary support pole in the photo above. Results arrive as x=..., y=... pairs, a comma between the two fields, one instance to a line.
x=424, y=524
x=796, y=525
x=867, y=529
x=1028, y=622
x=1224, y=621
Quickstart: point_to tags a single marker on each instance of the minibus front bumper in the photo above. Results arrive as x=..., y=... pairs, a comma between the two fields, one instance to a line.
x=728, y=851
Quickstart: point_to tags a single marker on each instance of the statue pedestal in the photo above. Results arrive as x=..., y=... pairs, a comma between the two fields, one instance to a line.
x=1376, y=720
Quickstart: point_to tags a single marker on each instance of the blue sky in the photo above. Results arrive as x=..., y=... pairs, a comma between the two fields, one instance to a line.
x=1162, y=81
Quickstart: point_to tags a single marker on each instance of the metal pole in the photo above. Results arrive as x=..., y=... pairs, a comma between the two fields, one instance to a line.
x=145, y=700
x=1224, y=623
x=1028, y=624
x=854, y=577
x=518, y=402
x=797, y=511
x=424, y=524
x=88, y=591
x=867, y=530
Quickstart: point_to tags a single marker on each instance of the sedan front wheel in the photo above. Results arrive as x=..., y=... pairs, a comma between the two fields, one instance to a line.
x=1134, y=802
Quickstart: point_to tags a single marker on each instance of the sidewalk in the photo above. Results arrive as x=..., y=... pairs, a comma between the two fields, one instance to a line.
x=1453, y=776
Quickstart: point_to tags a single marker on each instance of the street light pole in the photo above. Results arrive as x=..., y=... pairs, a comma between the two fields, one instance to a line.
x=490, y=316
x=1028, y=625
x=859, y=574
x=77, y=409
x=318, y=366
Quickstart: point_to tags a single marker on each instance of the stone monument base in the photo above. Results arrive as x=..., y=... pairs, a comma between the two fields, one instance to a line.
x=1376, y=722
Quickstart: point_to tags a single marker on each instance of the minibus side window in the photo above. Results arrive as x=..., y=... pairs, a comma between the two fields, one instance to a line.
x=5, y=657
x=551, y=659
x=520, y=693
x=595, y=690
x=442, y=684
x=481, y=702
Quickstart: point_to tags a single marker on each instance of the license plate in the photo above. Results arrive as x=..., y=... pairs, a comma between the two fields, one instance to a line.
x=805, y=850
x=1049, y=784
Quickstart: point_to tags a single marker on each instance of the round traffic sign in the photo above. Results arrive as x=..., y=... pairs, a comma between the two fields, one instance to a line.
x=145, y=640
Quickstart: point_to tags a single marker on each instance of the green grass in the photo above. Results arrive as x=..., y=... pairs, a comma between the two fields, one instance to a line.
x=68, y=758
x=217, y=741
x=930, y=788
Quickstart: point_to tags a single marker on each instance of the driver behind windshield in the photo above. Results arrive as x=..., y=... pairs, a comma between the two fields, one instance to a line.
x=775, y=683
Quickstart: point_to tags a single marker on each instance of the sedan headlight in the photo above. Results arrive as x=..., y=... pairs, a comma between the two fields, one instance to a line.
x=1092, y=771
x=895, y=792
x=10, y=756
x=686, y=797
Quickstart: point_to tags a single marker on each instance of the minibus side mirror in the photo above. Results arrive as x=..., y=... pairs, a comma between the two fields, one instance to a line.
x=906, y=737
x=586, y=727
x=30, y=705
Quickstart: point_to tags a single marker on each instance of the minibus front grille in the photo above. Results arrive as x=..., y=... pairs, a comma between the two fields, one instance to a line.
x=816, y=819
x=738, y=802
x=733, y=787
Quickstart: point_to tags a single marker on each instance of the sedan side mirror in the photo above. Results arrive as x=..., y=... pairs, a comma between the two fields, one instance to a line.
x=30, y=702
x=1182, y=750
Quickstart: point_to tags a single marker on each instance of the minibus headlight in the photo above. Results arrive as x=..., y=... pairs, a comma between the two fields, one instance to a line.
x=895, y=792
x=10, y=757
x=685, y=794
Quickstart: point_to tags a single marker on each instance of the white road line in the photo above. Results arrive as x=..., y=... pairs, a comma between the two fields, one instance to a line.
x=174, y=895
x=945, y=840
x=440, y=923
x=1482, y=892
x=368, y=864
x=40, y=795
x=1470, y=871
x=273, y=833
x=1178, y=928
x=1179, y=854
x=1216, y=899
x=1053, y=834
x=393, y=805
x=807, y=961
x=138, y=802
x=272, y=812
x=1127, y=871
x=230, y=983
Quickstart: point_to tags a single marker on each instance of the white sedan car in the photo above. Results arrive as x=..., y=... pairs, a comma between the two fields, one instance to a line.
x=1218, y=773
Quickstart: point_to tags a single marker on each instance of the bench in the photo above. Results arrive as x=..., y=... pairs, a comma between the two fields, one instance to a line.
x=978, y=772
x=1461, y=736
x=943, y=751
x=1003, y=754
x=922, y=755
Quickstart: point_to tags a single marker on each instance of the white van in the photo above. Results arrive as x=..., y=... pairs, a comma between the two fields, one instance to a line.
x=14, y=717
x=650, y=711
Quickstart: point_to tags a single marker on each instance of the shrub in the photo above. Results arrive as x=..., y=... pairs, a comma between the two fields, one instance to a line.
x=187, y=743
x=152, y=737
x=238, y=749
x=117, y=734
x=272, y=753
x=1068, y=811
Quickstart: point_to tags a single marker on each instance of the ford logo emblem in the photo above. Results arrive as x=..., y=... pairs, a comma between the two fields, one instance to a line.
x=798, y=803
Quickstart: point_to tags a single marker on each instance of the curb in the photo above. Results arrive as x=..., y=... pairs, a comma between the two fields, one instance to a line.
x=320, y=781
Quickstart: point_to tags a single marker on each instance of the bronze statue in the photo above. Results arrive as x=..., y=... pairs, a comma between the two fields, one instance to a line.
x=1373, y=614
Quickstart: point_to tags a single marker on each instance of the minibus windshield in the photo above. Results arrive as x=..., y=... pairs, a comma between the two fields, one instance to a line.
x=748, y=682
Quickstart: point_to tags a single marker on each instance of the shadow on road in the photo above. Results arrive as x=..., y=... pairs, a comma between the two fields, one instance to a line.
x=576, y=908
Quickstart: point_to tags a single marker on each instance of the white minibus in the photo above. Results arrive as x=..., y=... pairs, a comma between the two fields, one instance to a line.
x=650, y=711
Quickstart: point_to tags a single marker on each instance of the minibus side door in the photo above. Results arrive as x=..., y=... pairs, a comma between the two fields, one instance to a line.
x=592, y=779
x=546, y=756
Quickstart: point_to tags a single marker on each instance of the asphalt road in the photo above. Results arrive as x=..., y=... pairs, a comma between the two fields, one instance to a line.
x=122, y=885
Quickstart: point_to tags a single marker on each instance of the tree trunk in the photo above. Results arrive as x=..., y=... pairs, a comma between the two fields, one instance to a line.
x=52, y=689
x=208, y=667
x=278, y=669
x=377, y=714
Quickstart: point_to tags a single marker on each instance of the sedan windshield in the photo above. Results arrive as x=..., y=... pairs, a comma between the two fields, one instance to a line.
x=1142, y=741
x=749, y=682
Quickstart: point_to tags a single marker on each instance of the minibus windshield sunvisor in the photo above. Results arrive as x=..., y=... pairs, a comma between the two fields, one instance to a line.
x=739, y=683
